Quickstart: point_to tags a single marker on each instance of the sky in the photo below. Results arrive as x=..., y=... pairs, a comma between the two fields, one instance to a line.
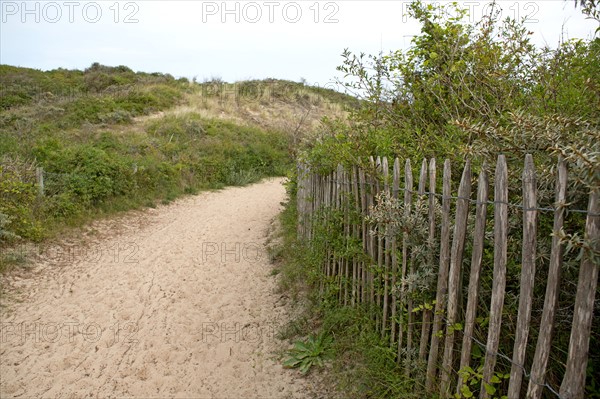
x=237, y=40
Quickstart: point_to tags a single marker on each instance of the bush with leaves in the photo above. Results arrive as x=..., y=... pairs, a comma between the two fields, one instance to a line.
x=476, y=91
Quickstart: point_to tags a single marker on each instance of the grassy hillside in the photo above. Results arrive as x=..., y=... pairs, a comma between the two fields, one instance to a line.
x=110, y=139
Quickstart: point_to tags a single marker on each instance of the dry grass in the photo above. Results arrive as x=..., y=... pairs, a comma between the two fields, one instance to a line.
x=289, y=114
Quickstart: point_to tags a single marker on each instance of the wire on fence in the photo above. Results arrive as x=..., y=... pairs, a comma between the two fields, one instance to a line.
x=472, y=201
x=505, y=357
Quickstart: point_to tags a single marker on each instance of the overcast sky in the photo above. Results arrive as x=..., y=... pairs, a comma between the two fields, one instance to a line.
x=234, y=40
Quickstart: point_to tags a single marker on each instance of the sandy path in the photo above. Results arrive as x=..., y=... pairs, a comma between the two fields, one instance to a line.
x=179, y=303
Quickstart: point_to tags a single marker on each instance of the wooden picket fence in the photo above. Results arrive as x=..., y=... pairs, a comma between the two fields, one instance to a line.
x=373, y=276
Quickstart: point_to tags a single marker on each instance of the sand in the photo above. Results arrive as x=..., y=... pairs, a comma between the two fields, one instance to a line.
x=176, y=301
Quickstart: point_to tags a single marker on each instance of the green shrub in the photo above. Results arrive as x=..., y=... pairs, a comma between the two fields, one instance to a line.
x=5, y=234
x=18, y=203
x=94, y=163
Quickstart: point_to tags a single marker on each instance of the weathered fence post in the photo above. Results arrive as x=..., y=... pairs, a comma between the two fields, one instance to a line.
x=442, y=283
x=527, y=277
x=372, y=240
x=329, y=201
x=347, y=229
x=410, y=305
x=379, y=248
x=499, y=284
x=395, y=192
x=573, y=383
x=340, y=203
x=365, y=234
x=544, y=342
x=475, y=274
x=356, y=228
x=300, y=200
x=428, y=314
x=408, y=186
x=458, y=245
x=385, y=251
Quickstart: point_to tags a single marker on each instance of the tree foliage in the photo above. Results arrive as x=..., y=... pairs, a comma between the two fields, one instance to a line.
x=425, y=101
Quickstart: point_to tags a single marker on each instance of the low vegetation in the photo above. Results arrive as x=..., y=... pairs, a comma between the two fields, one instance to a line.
x=109, y=139
x=359, y=364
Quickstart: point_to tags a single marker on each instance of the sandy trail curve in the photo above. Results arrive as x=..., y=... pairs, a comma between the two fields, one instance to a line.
x=178, y=303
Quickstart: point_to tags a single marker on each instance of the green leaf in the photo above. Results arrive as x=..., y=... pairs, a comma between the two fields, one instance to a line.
x=291, y=363
x=466, y=392
x=490, y=389
x=305, y=367
x=302, y=355
x=301, y=346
